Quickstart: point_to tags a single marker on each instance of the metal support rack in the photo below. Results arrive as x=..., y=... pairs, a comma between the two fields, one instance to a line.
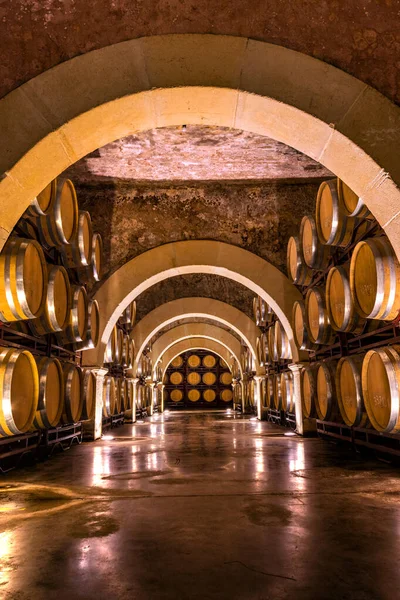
x=15, y=448
x=61, y=438
x=113, y=421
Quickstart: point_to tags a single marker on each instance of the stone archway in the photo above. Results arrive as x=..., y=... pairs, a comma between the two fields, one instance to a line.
x=63, y=114
x=194, y=256
x=185, y=308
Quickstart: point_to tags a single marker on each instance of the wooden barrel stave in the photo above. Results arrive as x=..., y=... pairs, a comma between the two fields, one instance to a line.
x=287, y=391
x=51, y=393
x=297, y=270
x=300, y=330
x=334, y=226
x=308, y=391
x=352, y=204
x=339, y=302
x=326, y=398
x=42, y=203
x=349, y=391
x=76, y=329
x=78, y=253
x=55, y=315
x=317, y=319
x=59, y=225
x=73, y=396
x=283, y=350
x=314, y=254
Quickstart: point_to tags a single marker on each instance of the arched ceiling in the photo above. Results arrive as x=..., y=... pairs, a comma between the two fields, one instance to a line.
x=361, y=38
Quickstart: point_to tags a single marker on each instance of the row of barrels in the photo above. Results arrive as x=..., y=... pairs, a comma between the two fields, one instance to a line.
x=194, y=378
x=277, y=391
x=273, y=345
x=117, y=395
x=194, y=361
x=246, y=360
x=263, y=313
x=338, y=221
x=55, y=220
x=120, y=349
x=359, y=390
x=144, y=397
x=194, y=395
x=42, y=392
x=38, y=297
x=358, y=296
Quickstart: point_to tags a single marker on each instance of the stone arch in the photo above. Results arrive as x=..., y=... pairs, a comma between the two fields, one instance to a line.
x=184, y=308
x=198, y=331
x=70, y=110
x=194, y=256
x=197, y=344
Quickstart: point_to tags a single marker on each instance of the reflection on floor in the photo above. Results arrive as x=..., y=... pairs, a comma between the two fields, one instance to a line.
x=198, y=506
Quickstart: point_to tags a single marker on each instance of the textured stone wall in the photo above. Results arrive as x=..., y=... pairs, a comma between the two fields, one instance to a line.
x=362, y=38
x=259, y=218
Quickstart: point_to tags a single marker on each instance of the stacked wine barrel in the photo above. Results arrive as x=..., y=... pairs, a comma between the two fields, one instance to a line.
x=45, y=267
x=273, y=353
x=350, y=279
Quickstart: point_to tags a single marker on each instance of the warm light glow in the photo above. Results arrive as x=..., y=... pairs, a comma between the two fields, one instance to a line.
x=108, y=437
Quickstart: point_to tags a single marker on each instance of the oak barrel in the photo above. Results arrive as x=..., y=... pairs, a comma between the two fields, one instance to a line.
x=270, y=391
x=73, y=393
x=287, y=391
x=209, y=361
x=89, y=394
x=194, y=395
x=19, y=391
x=110, y=396
x=42, y=203
x=325, y=398
x=93, y=327
x=375, y=279
x=94, y=271
x=272, y=350
x=226, y=378
x=78, y=253
x=77, y=324
x=257, y=310
x=315, y=255
x=283, y=350
x=51, y=393
x=194, y=361
x=118, y=395
x=23, y=280
x=177, y=362
x=300, y=330
x=209, y=378
x=194, y=378
x=277, y=392
x=128, y=317
x=352, y=204
x=349, y=391
x=176, y=395
x=176, y=378
x=226, y=395
x=111, y=347
x=380, y=379
x=60, y=224
x=317, y=318
x=308, y=391
x=334, y=226
x=209, y=395
x=339, y=302
x=57, y=306
x=297, y=269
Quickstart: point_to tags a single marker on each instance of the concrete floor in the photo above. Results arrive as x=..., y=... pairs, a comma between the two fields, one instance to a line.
x=201, y=506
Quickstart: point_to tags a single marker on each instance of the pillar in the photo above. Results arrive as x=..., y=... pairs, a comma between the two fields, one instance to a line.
x=258, y=399
x=151, y=384
x=243, y=396
x=303, y=425
x=161, y=387
x=134, y=400
x=94, y=427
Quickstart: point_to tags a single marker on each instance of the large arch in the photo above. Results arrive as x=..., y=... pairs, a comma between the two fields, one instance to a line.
x=63, y=114
x=185, y=308
x=195, y=330
x=197, y=344
x=193, y=256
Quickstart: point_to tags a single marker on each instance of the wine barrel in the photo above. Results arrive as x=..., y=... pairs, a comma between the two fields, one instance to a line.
x=352, y=204
x=128, y=317
x=42, y=203
x=194, y=378
x=194, y=395
x=375, y=279
x=89, y=395
x=334, y=226
x=19, y=391
x=131, y=353
x=110, y=396
x=314, y=254
x=380, y=380
x=272, y=349
x=277, y=392
x=209, y=378
x=325, y=398
x=51, y=393
x=209, y=361
x=129, y=394
x=60, y=224
x=120, y=347
x=94, y=271
x=257, y=310
x=226, y=395
x=317, y=318
x=176, y=378
x=23, y=280
x=226, y=378
x=287, y=391
x=194, y=361
x=339, y=303
x=118, y=395
x=283, y=350
x=177, y=362
x=297, y=270
x=76, y=329
x=349, y=391
x=270, y=391
x=57, y=307
x=209, y=395
x=126, y=350
x=177, y=395
x=308, y=391
x=93, y=327
x=266, y=312
x=259, y=352
x=300, y=331
x=78, y=253
x=111, y=347
x=73, y=393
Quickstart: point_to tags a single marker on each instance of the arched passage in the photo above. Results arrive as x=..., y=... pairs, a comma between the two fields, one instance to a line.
x=197, y=344
x=63, y=114
x=192, y=331
x=185, y=308
x=192, y=256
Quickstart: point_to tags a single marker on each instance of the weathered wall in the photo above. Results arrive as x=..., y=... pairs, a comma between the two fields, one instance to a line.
x=257, y=217
x=362, y=38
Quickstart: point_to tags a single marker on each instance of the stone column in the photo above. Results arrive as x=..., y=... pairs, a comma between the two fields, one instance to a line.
x=161, y=387
x=258, y=400
x=303, y=425
x=243, y=397
x=151, y=384
x=134, y=400
x=95, y=427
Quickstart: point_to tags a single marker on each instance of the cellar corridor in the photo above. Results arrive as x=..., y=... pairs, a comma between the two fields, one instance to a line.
x=196, y=505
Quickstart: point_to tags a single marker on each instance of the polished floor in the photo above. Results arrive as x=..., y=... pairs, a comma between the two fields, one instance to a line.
x=201, y=506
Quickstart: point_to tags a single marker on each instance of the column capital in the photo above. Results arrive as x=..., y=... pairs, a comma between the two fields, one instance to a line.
x=98, y=370
x=258, y=377
x=295, y=367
